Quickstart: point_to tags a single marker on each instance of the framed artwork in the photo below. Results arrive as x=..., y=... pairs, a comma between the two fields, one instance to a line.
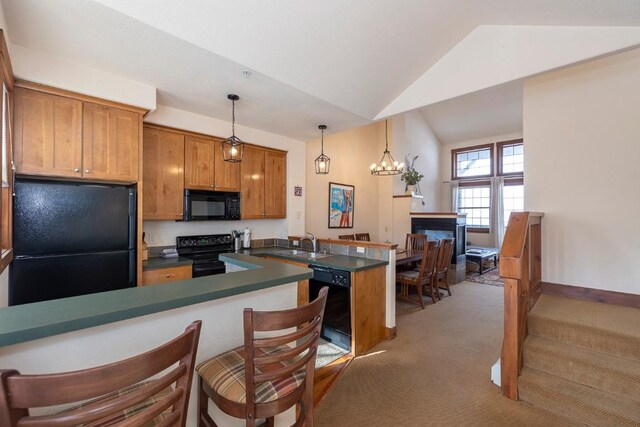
x=341, y=198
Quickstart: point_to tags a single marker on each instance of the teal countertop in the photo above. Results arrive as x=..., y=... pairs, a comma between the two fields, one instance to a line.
x=341, y=262
x=158, y=263
x=43, y=319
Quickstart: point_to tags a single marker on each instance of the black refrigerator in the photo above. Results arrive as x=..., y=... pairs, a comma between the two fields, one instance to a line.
x=71, y=239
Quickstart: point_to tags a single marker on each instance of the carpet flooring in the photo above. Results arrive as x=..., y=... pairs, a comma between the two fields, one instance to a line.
x=435, y=373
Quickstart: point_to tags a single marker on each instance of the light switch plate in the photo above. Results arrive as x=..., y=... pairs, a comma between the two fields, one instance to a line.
x=359, y=249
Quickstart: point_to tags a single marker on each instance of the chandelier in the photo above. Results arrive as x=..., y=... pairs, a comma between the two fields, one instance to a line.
x=387, y=164
x=323, y=161
x=233, y=147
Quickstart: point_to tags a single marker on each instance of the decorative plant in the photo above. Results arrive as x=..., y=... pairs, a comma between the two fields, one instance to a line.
x=411, y=176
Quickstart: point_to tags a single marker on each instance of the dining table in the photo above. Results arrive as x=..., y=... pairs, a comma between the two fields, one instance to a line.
x=408, y=256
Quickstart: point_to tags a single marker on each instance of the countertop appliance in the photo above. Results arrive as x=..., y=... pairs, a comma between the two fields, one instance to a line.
x=204, y=251
x=70, y=239
x=336, y=324
x=202, y=205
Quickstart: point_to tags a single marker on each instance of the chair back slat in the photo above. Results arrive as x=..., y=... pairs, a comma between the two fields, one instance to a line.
x=444, y=257
x=429, y=259
x=347, y=237
x=307, y=320
x=363, y=237
x=19, y=393
x=415, y=241
x=287, y=370
x=282, y=356
x=143, y=417
x=286, y=338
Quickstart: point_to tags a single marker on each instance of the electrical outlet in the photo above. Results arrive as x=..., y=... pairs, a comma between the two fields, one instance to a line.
x=298, y=215
x=152, y=239
x=386, y=228
x=359, y=249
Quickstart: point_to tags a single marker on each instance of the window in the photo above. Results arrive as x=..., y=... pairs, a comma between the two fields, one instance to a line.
x=475, y=201
x=513, y=198
x=511, y=157
x=472, y=162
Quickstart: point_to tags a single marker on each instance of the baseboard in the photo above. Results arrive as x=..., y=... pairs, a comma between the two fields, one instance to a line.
x=598, y=295
x=391, y=333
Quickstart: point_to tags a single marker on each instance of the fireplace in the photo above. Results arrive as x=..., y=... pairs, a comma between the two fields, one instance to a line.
x=445, y=225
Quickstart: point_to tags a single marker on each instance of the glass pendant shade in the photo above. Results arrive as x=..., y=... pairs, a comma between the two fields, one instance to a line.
x=387, y=164
x=233, y=147
x=323, y=161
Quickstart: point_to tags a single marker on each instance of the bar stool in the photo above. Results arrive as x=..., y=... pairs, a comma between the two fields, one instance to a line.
x=125, y=393
x=266, y=376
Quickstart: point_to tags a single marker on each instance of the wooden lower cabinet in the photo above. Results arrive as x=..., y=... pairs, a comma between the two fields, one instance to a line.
x=368, y=298
x=164, y=275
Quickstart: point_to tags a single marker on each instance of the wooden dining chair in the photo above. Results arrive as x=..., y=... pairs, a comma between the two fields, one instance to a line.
x=363, y=237
x=347, y=237
x=120, y=393
x=415, y=241
x=269, y=374
x=442, y=266
x=421, y=278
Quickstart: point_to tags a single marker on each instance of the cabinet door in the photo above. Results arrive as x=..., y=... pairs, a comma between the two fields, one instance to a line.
x=275, y=178
x=110, y=143
x=48, y=134
x=198, y=163
x=252, y=183
x=226, y=174
x=163, y=174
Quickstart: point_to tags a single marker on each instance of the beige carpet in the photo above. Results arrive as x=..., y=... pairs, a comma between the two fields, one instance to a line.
x=435, y=373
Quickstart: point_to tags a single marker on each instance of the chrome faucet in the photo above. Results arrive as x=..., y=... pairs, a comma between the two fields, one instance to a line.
x=312, y=239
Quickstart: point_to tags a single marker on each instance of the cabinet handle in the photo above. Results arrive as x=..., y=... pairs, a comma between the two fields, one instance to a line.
x=87, y=171
x=76, y=170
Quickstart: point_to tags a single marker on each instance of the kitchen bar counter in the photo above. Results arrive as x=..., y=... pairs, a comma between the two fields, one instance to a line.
x=157, y=263
x=43, y=319
x=341, y=262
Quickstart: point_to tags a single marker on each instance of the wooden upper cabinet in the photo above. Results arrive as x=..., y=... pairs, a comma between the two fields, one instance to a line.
x=110, y=143
x=252, y=182
x=226, y=174
x=275, y=183
x=198, y=163
x=163, y=174
x=47, y=134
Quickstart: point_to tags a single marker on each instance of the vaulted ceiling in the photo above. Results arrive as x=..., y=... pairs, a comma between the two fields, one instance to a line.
x=343, y=63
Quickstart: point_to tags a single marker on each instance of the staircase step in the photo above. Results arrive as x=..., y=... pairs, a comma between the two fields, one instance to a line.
x=605, y=328
x=612, y=374
x=579, y=402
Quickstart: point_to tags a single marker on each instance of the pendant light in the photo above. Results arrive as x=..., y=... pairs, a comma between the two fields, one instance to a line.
x=233, y=147
x=322, y=162
x=387, y=164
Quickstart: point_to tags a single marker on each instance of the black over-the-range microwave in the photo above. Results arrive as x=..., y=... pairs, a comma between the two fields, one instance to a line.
x=202, y=205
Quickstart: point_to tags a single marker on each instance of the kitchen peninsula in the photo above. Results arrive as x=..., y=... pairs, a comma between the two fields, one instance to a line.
x=89, y=330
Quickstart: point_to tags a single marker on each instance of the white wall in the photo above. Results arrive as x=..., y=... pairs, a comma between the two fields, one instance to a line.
x=476, y=239
x=351, y=153
x=50, y=70
x=582, y=136
x=162, y=233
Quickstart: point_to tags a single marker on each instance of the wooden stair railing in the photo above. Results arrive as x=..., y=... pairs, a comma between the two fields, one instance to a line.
x=520, y=268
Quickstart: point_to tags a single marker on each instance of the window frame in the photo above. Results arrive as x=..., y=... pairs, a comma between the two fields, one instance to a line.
x=454, y=162
x=500, y=149
x=481, y=183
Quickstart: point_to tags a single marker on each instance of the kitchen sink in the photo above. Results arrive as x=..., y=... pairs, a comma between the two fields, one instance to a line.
x=298, y=253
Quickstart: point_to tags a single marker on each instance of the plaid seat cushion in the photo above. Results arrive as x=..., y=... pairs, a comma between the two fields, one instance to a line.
x=412, y=274
x=129, y=412
x=225, y=374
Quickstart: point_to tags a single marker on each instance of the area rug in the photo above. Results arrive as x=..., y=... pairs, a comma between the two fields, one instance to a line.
x=491, y=278
x=327, y=353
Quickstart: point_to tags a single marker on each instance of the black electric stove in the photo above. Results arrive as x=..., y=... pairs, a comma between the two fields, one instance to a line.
x=204, y=251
